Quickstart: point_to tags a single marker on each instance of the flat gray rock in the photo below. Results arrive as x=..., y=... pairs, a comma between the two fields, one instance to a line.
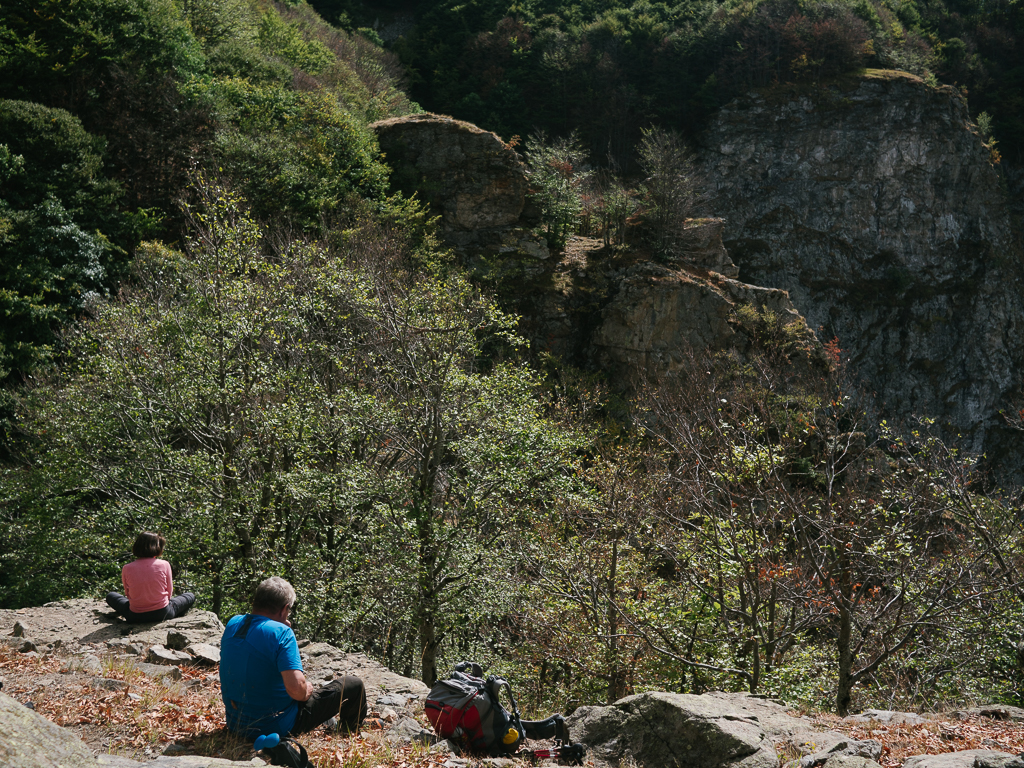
x=714, y=729
x=86, y=622
x=886, y=717
x=204, y=653
x=178, y=761
x=673, y=729
x=866, y=749
x=157, y=654
x=997, y=712
x=408, y=730
x=849, y=761
x=968, y=758
x=159, y=671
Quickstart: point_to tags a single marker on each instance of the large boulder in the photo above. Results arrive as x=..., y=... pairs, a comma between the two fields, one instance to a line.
x=470, y=178
x=72, y=623
x=708, y=731
x=324, y=662
x=874, y=203
x=29, y=740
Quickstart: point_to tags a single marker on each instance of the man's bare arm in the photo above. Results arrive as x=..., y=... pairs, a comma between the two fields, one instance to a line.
x=298, y=687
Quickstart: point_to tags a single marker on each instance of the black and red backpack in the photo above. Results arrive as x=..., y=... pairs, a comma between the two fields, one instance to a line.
x=466, y=709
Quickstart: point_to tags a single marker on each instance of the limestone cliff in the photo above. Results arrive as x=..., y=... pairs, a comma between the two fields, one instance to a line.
x=593, y=306
x=874, y=204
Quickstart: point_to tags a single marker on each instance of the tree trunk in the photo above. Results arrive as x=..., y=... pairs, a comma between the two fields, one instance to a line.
x=845, y=686
x=614, y=672
x=428, y=645
x=426, y=612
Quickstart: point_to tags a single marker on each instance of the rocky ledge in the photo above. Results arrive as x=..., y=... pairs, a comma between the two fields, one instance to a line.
x=714, y=730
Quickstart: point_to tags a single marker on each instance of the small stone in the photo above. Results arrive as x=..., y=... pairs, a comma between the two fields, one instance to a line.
x=388, y=715
x=134, y=697
x=160, y=671
x=27, y=646
x=175, y=749
x=160, y=655
x=444, y=747
x=91, y=664
x=177, y=641
x=108, y=684
x=19, y=629
x=392, y=700
x=204, y=653
x=408, y=730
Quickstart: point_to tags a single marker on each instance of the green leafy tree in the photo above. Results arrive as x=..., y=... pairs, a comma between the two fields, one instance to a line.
x=814, y=529
x=462, y=449
x=558, y=174
x=670, y=191
x=56, y=212
x=331, y=416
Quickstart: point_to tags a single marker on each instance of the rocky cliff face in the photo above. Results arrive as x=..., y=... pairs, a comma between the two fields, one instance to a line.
x=598, y=308
x=589, y=306
x=875, y=205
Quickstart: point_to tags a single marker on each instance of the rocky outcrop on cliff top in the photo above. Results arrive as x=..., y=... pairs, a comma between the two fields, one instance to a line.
x=875, y=205
x=621, y=313
x=469, y=177
x=589, y=307
x=657, y=315
x=726, y=730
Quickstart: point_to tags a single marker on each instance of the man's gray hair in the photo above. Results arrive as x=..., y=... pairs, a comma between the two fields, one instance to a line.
x=272, y=595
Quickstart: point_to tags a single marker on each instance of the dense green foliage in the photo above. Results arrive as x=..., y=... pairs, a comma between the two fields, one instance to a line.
x=109, y=103
x=286, y=408
x=609, y=68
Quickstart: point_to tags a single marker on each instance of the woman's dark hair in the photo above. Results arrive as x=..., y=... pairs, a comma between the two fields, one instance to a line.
x=148, y=545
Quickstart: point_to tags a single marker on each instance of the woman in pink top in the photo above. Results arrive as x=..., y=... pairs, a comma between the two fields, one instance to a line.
x=147, y=583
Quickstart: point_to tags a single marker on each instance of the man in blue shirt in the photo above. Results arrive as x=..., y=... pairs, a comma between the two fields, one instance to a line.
x=261, y=678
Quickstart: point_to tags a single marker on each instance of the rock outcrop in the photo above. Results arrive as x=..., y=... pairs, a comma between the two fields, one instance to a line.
x=90, y=640
x=621, y=313
x=968, y=758
x=28, y=740
x=874, y=204
x=714, y=730
x=469, y=177
x=656, y=315
x=589, y=309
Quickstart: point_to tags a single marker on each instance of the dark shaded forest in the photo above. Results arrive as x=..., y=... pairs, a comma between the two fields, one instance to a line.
x=608, y=69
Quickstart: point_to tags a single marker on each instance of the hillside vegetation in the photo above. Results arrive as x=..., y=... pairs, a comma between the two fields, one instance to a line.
x=220, y=325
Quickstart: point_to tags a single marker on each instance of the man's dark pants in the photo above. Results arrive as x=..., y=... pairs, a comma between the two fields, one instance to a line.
x=345, y=698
